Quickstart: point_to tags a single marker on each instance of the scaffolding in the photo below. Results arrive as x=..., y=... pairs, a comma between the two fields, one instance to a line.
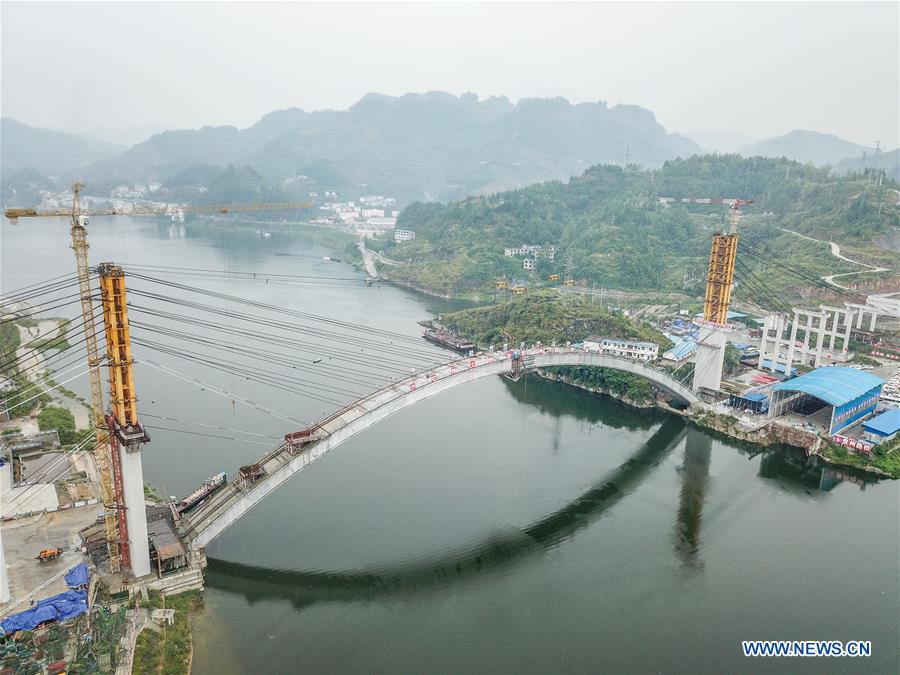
x=720, y=277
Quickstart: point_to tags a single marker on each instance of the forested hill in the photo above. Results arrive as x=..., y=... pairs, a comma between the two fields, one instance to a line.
x=608, y=223
x=545, y=317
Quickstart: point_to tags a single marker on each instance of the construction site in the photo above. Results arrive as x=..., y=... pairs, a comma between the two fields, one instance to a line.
x=82, y=505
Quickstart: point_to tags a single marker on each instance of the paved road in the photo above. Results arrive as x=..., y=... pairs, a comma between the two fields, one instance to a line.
x=368, y=258
x=22, y=541
x=836, y=252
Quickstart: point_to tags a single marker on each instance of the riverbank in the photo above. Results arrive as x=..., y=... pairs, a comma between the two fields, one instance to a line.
x=883, y=462
x=317, y=234
x=170, y=649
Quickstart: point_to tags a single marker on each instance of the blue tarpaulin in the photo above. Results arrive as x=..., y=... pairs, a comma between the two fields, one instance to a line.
x=78, y=576
x=60, y=607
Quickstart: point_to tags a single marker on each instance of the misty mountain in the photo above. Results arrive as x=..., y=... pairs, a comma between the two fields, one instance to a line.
x=889, y=162
x=417, y=146
x=718, y=140
x=805, y=146
x=52, y=153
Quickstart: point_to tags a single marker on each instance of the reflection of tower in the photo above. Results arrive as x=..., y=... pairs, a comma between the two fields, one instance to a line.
x=694, y=473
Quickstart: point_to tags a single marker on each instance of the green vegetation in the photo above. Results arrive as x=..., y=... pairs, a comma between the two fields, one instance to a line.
x=60, y=419
x=151, y=494
x=9, y=343
x=544, y=317
x=616, y=382
x=23, y=399
x=57, y=342
x=50, y=382
x=547, y=317
x=167, y=651
x=9, y=431
x=418, y=146
x=864, y=360
x=885, y=457
x=732, y=359
x=609, y=222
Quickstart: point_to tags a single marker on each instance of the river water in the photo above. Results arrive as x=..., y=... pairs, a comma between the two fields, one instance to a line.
x=502, y=527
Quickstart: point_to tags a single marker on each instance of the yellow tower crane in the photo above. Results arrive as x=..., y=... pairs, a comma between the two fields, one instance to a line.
x=122, y=395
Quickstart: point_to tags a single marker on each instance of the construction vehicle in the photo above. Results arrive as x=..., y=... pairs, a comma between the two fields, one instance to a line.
x=49, y=554
x=520, y=290
x=110, y=480
x=569, y=282
x=553, y=277
x=502, y=283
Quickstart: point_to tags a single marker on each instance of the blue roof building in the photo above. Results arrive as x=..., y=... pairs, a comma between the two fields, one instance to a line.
x=766, y=364
x=852, y=394
x=883, y=427
x=681, y=349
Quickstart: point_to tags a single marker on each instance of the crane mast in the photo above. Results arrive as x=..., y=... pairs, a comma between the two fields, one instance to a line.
x=102, y=450
x=119, y=435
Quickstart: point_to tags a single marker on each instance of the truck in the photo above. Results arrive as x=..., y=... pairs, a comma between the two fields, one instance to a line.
x=49, y=554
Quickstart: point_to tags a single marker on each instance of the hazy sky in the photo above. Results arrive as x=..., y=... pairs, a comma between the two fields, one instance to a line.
x=759, y=69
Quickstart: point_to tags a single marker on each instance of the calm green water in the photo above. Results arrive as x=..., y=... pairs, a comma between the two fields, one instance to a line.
x=502, y=527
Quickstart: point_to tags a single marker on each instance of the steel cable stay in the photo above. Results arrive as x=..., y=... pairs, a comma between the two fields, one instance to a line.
x=248, y=374
x=28, y=293
x=759, y=287
x=199, y=433
x=54, y=387
x=382, y=365
x=770, y=258
x=45, y=471
x=317, y=349
x=5, y=364
x=39, y=309
x=221, y=392
x=368, y=330
x=264, y=355
x=409, y=357
x=208, y=426
x=420, y=351
x=244, y=369
x=249, y=275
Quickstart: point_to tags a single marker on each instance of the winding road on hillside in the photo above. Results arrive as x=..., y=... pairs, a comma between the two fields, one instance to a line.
x=836, y=252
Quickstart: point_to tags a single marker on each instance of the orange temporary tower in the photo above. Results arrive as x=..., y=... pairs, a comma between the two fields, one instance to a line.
x=119, y=428
x=126, y=435
x=720, y=276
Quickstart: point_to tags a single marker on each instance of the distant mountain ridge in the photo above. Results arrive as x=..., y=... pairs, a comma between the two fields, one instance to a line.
x=417, y=146
x=805, y=146
x=52, y=153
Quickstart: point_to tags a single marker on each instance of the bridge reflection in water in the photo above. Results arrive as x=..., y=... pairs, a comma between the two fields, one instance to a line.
x=305, y=588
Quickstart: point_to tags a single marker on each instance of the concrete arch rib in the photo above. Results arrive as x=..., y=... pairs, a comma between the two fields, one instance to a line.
x=232, y=502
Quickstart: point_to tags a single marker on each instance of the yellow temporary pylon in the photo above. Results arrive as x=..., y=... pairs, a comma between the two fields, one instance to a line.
x=720, y=276
x=124, y=397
